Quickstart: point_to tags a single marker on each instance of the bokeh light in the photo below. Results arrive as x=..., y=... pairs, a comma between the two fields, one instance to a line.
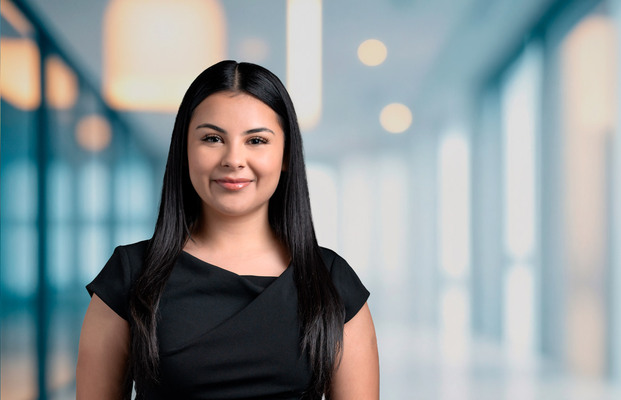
x=372, y=52
x=93, y=133
x=141, y=76
x=20, y=79
x=61, y=84
x=396, y=118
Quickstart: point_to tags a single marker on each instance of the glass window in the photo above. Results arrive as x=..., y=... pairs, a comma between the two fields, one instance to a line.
x=520, y=102
x=454, y=244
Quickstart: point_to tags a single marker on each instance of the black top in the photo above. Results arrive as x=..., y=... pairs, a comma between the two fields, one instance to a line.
x=223, y=335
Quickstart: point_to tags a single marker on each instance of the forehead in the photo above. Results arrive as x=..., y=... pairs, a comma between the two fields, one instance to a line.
x=234, y=107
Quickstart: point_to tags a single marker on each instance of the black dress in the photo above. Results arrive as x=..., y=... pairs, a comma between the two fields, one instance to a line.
x=223, y=335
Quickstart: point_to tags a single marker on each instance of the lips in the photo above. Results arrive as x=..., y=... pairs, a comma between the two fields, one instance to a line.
x=233, y=184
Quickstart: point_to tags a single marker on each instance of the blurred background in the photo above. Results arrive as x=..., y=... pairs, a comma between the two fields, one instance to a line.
x=463, y=155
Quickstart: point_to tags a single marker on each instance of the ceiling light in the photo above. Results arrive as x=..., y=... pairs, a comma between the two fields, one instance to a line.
x=372, y=52
x=396, y=118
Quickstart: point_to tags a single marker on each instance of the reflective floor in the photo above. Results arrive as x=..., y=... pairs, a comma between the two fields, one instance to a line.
x=415, y=364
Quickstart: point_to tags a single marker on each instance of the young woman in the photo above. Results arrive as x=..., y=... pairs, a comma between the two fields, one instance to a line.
x=232, y=298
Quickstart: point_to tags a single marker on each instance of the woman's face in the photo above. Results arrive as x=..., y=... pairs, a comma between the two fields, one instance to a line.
x=235, y=154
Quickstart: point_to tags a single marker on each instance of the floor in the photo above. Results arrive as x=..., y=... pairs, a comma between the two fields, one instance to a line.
x=415, y=364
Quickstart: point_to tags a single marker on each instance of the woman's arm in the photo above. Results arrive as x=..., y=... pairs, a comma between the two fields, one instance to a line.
x=357, y=376
x=102, y=354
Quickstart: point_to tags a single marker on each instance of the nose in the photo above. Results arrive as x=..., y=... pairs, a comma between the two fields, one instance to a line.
x=233, y=156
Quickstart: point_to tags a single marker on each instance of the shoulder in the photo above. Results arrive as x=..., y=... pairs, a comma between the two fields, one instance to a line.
x=133, y=250
x=334, y=262
x=130, y=257
x=114, y=281
x=330, y=258
x=347, y=283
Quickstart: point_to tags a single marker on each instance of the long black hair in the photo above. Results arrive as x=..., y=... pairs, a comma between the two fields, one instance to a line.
x=320, y=309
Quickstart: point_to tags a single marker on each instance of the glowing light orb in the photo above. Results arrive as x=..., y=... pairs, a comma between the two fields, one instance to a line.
x=372, y=52
x=396, y=118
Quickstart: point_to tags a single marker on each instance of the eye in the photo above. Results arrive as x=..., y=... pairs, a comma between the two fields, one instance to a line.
x=212, y=139
x=257, y=140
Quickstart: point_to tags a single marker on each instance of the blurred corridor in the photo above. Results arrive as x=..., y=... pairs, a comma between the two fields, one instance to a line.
x=463, y=155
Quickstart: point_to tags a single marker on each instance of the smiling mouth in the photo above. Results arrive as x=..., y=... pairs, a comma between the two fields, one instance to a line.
x=233, y=184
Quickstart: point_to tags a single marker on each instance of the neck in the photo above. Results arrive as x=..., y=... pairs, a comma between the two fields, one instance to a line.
x=223, y=232
x=243, y=245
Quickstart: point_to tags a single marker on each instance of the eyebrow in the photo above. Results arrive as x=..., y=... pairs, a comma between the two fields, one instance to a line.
x=248, y=132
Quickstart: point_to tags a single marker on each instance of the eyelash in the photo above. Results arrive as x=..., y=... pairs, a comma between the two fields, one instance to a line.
x=253, y=140
x=258, y=140
x=208, y=138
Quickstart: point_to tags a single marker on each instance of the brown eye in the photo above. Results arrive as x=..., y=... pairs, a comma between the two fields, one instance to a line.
x=212, y=139
x=257, y=140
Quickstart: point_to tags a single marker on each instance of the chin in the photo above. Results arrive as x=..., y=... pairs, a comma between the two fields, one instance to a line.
x=237, y=211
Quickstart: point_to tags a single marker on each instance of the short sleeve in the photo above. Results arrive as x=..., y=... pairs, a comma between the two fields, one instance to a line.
x=349, y=286
x=113, y=283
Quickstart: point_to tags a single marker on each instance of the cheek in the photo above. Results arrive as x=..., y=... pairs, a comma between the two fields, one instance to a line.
x=272, y=164
x=193, y=175
x=192, y=167
x=198, y=168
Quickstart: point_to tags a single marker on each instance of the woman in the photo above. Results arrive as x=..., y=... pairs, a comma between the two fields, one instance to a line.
x=232, y=298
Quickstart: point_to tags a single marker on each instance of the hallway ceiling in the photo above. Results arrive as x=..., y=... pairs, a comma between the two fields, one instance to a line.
x=438, y=53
